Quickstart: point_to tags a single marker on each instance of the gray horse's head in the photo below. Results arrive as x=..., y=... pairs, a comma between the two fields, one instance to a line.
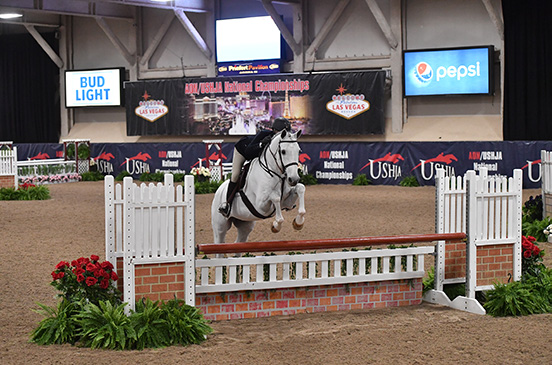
x=288, y=151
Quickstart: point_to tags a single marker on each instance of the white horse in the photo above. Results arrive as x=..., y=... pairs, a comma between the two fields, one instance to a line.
x=272, y=184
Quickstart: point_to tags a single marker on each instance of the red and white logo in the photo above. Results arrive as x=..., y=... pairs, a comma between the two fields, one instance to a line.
x=151, y=110
x=347, y=106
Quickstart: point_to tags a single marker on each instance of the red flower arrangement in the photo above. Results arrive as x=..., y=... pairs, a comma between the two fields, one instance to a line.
x=86, y=278
x=27, y=185
x=531, y=261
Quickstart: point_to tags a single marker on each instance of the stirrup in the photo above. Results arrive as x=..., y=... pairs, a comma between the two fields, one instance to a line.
x=224, y=209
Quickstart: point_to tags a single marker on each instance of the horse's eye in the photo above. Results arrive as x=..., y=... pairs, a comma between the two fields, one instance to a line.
x=283, y=152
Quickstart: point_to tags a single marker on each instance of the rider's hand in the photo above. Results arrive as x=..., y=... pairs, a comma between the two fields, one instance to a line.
x=265, y=141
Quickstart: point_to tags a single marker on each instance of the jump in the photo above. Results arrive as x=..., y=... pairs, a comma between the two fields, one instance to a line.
x=268, y=185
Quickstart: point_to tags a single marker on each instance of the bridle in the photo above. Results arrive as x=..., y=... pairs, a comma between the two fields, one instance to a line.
x=278, y=160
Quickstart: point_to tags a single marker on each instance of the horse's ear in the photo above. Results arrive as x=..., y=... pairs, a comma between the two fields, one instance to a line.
x=284, y=132
x=299, y=132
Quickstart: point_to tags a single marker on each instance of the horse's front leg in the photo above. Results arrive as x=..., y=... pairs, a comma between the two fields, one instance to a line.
x=301, y=211
x=279, y=218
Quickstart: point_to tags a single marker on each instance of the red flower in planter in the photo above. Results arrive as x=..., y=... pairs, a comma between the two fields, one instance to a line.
x=91, y=281
x=91, y=267
x=61, y=265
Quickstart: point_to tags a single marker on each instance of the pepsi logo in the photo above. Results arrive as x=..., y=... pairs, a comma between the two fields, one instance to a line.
x=423, y=72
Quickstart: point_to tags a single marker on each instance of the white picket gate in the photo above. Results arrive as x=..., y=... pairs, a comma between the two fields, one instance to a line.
x=8, y=163
x=150, y=224
x=488, y=209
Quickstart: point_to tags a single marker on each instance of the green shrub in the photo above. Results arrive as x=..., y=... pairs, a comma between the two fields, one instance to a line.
x=150, y=325
x=9, y=194
x=106, y=326
x=179, y=177
x=513, y=299
x=532, y=209
x=409, y=181
x=186, y=323
x=83, y=151
x=92, y=176
x=428, y=282
x=152, y=176
x=122, y=175
x=40, y=192
x=70, y=151
x=206, y=187
x=307, y=179
x=536, y=228
x=361, y=179
x=59, y=325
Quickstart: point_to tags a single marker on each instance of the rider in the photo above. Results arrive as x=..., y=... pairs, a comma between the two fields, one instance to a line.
x=246, y=149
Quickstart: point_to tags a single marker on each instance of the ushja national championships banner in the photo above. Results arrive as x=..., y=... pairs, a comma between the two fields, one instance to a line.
x=345, y=103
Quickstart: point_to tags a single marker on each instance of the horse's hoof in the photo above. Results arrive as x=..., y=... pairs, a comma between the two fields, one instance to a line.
x=296, y=226
x=274, y=229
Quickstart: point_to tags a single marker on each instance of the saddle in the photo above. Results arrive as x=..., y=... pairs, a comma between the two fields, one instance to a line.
x=242, y=179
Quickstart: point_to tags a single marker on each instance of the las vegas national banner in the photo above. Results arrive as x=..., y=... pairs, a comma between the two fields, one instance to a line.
x=347, y=103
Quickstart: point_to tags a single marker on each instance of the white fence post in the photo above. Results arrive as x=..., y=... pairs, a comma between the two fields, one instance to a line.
x=189, y=249
x=546, y=182
x=128, y=243
x=471, y=231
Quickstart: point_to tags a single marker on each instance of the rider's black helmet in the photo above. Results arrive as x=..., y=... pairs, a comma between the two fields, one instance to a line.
x=280, y=124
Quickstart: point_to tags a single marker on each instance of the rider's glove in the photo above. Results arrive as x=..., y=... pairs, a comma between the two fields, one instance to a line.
x=265, y=141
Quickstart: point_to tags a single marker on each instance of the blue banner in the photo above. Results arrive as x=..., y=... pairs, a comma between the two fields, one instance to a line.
x=383, y=163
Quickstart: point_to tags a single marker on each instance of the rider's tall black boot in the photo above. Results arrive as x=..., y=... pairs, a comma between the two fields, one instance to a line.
x=225, y=207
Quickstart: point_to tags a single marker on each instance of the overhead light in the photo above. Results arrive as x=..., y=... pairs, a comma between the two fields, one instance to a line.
x=160, y=1
x=10, y=15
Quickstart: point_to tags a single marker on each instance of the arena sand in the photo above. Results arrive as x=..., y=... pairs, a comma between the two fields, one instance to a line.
x=36, y=235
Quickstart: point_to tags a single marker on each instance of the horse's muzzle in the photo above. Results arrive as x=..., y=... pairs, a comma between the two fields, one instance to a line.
x=292, y=182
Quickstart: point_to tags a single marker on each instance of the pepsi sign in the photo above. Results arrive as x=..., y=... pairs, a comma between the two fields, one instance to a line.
x=450, y=71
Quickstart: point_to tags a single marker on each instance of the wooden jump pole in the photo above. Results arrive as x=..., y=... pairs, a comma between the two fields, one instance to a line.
x=330, y=243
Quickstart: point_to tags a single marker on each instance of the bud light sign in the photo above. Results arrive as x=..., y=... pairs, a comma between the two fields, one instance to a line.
x=452, y=71
x=101, y=87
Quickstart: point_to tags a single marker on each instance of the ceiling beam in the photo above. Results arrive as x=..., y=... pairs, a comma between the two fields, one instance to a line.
x=116, y=42
x=495, y=18
x=157, y=39
x=192, y=31
x=288, y=37
x=45, y=46
x=325, y=30
x=382, y=22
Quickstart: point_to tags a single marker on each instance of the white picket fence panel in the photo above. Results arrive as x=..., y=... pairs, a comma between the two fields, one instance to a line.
x=488, y=209
x=494, y=208
x=8, y=162
x=304, y=270
x=149, y=224
x=34, y=168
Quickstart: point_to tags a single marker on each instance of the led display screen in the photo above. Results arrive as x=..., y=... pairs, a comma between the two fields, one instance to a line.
x=452, y=71
x=86, y=88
